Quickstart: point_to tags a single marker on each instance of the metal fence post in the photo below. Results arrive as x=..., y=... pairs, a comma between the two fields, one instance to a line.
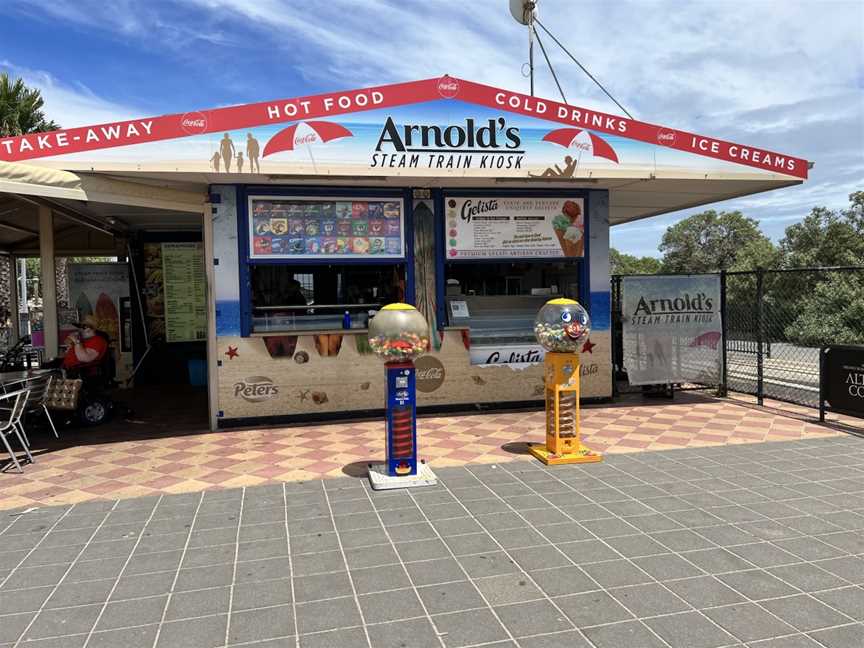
x=724, y=329
x=614, y=319
x=822, y=385
x=760, y=333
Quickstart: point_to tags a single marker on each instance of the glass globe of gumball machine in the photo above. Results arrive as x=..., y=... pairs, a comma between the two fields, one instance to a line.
x=561, y=327
x=398, y=334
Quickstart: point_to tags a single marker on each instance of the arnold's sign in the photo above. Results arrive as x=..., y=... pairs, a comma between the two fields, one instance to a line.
x=842, y=379
x=500, y=141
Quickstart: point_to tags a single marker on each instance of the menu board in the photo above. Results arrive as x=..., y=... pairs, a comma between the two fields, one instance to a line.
x=325, y=228
x=153, y=291
x=185, y=300
x=514, y=228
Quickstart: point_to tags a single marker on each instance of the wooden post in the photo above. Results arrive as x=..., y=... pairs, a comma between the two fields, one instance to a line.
x=48, y=281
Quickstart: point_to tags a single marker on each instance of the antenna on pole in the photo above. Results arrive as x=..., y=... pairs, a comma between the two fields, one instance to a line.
x=523, y=12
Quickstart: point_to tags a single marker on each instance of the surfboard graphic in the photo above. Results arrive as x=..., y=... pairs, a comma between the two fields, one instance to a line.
x=82, y=305
x=107, y=317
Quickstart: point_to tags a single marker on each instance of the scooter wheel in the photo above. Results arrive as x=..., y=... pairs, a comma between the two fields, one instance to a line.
x=95, y=411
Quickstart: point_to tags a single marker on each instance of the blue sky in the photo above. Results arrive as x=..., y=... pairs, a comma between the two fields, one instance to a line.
x=785, y=75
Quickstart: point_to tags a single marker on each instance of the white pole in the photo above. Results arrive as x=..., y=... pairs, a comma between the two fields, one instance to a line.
x=212, y=346
x=13, y=301
x=48, y=281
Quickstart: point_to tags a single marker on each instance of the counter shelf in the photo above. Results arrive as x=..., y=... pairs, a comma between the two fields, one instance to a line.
x=311, y=318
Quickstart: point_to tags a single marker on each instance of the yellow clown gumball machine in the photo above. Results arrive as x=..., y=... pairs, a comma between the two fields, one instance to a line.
x=560, y=327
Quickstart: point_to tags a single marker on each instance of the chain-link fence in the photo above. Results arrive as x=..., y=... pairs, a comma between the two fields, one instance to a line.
x=775, y=321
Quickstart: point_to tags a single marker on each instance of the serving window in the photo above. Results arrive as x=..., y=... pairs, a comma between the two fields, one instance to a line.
x=499, y=301
x=323, y=263
x=506, y=255
x=288, y=297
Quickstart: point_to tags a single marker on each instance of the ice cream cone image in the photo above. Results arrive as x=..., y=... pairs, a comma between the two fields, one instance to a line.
x=568, y=229
x=566, y=247
x=574, y=240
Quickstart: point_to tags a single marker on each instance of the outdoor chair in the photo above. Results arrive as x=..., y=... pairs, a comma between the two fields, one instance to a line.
x=13, y=405
x=37, y=401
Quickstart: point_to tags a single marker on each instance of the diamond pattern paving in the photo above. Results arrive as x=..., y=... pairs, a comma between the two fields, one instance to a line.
x=756, y=545
x=129, y=461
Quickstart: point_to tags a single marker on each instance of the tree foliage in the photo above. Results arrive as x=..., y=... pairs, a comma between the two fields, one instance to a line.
x=827, y=237
x=711, y=241
x=831, y=309
x=623, y=264
x=831, y=312
x=21, y=109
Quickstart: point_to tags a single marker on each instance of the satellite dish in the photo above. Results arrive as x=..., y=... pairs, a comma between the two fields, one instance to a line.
x=523, y=10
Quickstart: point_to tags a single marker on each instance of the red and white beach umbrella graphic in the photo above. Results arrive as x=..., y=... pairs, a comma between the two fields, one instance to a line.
x=565, y=136
x=321, y=131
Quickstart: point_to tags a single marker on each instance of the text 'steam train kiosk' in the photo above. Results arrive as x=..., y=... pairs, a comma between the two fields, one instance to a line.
x=474, y=204
x=398, y=334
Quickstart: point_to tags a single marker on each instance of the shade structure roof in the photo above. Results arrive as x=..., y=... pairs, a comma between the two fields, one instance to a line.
x=438, y=132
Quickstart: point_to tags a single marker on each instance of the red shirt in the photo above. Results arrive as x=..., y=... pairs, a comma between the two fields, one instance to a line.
x=96, y=342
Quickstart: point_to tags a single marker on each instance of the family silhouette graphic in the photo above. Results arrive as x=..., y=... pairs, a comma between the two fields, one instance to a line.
x=228, y=154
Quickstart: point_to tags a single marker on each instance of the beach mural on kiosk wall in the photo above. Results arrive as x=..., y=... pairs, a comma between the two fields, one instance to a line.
x=434, y=127
x=226, y=271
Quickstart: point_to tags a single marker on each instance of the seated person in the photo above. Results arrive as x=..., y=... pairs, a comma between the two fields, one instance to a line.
x=85, y=349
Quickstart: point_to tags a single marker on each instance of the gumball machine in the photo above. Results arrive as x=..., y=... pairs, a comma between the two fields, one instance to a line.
x=398, y=334
x=560, y=327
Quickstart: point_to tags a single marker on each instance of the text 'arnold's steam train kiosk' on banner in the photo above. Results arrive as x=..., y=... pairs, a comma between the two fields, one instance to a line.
x=474, y=204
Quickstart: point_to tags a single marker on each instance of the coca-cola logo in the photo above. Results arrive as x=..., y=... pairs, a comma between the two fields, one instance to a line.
x=448, y=87
x=193, y=123
x=429, y=373
x=309, y=138
x=665, y=137
x=256, y=389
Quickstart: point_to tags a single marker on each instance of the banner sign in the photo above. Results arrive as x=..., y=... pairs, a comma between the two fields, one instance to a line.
x=306, y=110
x=514, y=228
x=99, y=289
x=843, y=379
x=320, y=228
x=671, y=329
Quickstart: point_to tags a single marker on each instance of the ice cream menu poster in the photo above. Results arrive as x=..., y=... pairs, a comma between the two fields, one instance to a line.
x=320, y=228
x=514, y=228
x=185, y=304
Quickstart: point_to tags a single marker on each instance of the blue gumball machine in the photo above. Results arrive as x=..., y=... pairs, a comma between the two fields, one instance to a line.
x=398, y=334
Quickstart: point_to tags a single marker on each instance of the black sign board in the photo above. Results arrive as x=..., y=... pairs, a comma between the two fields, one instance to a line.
x=841, y=380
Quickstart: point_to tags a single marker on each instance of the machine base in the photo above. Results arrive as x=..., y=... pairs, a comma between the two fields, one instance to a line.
x=380, y=480
x=540, y=451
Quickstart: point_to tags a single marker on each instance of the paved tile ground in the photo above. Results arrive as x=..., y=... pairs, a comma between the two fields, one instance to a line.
x=756, y=545
x=161, y=452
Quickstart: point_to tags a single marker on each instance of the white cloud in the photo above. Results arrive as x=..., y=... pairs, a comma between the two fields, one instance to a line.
x=70, y=105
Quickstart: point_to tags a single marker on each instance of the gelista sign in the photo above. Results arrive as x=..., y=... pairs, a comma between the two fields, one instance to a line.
x=330, y=105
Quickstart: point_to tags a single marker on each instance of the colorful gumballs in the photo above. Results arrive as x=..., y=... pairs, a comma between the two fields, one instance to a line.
x=561, y=325
x=398, y=333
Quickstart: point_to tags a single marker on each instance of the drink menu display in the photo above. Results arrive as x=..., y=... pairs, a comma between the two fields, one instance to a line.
x=309, y=228
x=184, y=292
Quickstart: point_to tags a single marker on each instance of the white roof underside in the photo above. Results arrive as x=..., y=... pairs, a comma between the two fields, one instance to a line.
x=125, y=199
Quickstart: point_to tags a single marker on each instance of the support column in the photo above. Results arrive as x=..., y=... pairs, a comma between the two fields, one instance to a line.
x=48, y=281
x=212, y=346
x=13, y=299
